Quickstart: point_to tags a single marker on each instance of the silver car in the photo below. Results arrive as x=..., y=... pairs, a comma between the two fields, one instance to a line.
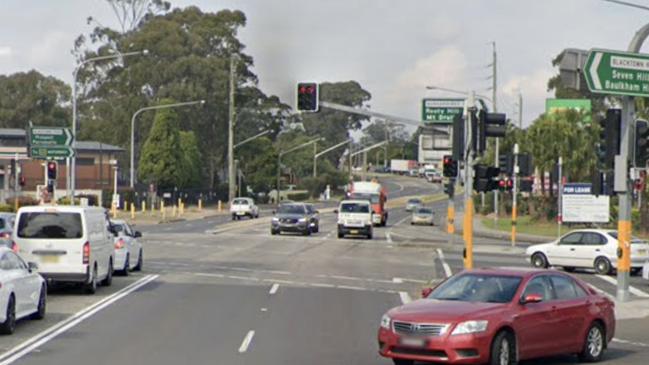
x=422, y=216
x=128, y=249
x=413, y=204
x=6, y=229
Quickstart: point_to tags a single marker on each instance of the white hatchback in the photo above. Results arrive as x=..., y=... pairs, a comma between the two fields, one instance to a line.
x=128, y=249
x=23, y=291
x=587, y=248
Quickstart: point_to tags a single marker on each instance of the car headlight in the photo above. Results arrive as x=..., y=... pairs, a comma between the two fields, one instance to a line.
x=470, y=327
x=302, y=220
x=385, y=322
x=275, y=219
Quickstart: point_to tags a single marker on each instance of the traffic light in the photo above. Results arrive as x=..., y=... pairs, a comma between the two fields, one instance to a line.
x=307, y=97
x=609, y=138
x=485, y=178
x=50, y=186
x=602, y=183
x=505, y=184
x=490, y=125
x=506, y=164
x=525, y=165
x=526, y=184
x=449, y=166
x=641, y=143
x=51, y=170
x=449, y=188
x=458, y=138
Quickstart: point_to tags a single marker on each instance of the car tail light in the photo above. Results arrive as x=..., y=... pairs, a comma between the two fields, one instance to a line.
x=5, y=235
x=14, y=247
x=119, y=244
x=86, y=253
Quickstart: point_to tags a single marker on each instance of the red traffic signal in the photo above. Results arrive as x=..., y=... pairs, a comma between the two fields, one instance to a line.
x=51, y=170
x=307, y=97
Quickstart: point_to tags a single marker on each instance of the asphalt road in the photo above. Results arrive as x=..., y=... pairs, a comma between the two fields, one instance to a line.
x=244, y=297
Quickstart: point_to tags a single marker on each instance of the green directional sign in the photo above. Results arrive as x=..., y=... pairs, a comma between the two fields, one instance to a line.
x=618, y=73
x=51, y=152
x=441, y=110
x=50, y=136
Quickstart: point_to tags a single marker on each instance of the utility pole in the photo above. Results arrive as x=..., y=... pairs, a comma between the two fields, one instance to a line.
x=515, y=193
x=231, y=177
x=560, y=196
x=468, y=186
x=520, y=111
x=494, y=95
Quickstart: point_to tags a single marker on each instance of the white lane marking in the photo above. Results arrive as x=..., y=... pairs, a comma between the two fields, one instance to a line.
x=273, y=289
x=246, y=342
x=264, y=309
x=639, y=344
x=388, y=233
x=405, y=297
x=388, y=238
x=279, y=272
x=401, y=187
x=209, y=275
x=45, y=336
x=322, y=285
x=397, y=280
x=288, y=282
x=447, y=268
x=351, y=287
x=250, y=278
x=635, y=291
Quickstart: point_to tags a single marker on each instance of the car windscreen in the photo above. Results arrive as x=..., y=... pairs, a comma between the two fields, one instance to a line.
x=3, y=223
x=52, y=225
x=633, y=239
x=354, y=208
x=291, y=209
x=478, y=288
x=414, y=201
x=424, y=211
x=373, y=198
x=240, y=202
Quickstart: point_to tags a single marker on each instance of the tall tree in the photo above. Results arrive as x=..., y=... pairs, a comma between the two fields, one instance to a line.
x=31, y=96
x=129, y=13
x=191, y=175
x=162, y=161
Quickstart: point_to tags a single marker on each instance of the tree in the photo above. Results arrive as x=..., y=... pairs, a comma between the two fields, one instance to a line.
x=191, y=175
x=259, y=164
x=162, y=161
x=31, y=96
x=129, y=13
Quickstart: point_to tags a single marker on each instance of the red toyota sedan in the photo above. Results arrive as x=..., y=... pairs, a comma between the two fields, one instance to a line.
x=498, y=317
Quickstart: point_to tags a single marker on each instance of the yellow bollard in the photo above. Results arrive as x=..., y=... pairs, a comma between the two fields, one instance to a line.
x=125, y=206
x=182, y=208
x=200, y=205
x=173, y=211
x=162, y=210
x=143, y=206
x=133, y=211
x=114, y=210
x=219, y=205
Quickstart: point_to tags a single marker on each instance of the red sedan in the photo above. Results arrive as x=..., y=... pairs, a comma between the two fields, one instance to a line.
x=498, y=317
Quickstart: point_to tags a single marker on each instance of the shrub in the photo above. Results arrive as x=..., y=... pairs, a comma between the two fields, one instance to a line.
x=23, y=201
x=297, y=196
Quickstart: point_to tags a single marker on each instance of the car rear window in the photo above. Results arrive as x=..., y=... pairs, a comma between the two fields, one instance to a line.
x=52, y=225
x=2, y=223
x=241, y=202
x=354, y=208
x=424, y=211
x=291, y=209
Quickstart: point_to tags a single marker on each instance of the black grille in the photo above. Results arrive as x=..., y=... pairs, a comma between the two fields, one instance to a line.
x=420, y=352
x=419, y=329
x=288, y=220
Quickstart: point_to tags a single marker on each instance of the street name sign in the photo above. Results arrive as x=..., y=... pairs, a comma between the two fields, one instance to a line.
x=617, y=73
x=441, y=110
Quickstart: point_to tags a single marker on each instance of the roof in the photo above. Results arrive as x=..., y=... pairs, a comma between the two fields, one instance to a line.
x=12, y=132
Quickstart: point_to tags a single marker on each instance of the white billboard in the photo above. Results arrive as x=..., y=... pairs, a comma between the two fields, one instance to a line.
x=578, y=205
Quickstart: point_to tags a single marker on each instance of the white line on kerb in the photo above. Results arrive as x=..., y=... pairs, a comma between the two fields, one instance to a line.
x=397, y=280
x=447, y=268
x=635, y=291
x=273, y=289
x=59, y=328
x=246, y=342
x=405, y=297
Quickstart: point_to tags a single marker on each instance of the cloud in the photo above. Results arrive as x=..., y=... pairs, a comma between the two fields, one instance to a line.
x=533, y=87
x=5, y=51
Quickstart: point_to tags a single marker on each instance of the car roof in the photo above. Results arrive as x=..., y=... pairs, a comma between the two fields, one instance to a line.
x=596, y=230
x=355, y=202
x=59, y=208
x=511, y=271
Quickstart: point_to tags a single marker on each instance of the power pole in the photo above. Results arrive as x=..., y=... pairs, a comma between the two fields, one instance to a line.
x=520, y=110
x=468, y=187
x=515, y=193
x=494, y=86
x=231, y=177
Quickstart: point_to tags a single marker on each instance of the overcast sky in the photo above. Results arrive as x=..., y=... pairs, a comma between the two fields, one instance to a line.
x=394, y=48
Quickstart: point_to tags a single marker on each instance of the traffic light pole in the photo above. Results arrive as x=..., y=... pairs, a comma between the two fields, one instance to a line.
x=625, y=197
x=515, y=193
x=468, y=188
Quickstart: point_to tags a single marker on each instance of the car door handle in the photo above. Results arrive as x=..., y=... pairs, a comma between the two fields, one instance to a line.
x=597, y=250
x=572, y=249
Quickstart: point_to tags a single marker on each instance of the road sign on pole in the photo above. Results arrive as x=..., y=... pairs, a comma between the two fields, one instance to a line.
x=617, y=73
x=50, y=143
x=441, y=110
x=51, y=152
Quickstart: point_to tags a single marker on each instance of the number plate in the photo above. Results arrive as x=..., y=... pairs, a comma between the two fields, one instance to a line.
x=241, y=213
x=642, y=252
x=50, y=259
x=413, y=342
x=354, y=231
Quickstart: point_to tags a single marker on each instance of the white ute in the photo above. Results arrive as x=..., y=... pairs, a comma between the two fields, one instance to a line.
x=355, y=218
x=243, y=207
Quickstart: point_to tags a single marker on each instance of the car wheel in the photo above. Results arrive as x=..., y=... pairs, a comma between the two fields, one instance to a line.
x=140, y=261
x=369, y=234
x=403, y=362
x=412, y=223
x=539, y=260
x=307, y=232
x=9, y=325
x=127, y=265
x=503, y=349
x=340, y=234
x=569, y=268
x=636, y=271
x=91, y=287
x=602, y=266
x=273, y=232
x=594, y=344
x=234, y=217
x=42, y=303
x=108, y=280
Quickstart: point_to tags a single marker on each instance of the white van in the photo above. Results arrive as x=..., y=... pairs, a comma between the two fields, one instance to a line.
x=69, y=243
x=354, y=218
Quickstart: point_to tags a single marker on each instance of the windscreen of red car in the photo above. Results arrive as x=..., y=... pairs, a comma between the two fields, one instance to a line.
x=50, y=225
x=478, y=288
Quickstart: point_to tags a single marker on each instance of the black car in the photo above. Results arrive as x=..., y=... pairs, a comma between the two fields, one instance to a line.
x=295, y=217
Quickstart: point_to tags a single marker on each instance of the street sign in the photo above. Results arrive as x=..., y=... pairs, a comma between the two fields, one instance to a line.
x=617, y=73
x=441, y=110
x=51, y=152
x=50, y=136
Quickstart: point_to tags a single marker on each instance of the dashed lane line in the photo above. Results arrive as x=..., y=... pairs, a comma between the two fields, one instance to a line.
x=273, y=289
x=405, y=297
x=246, y=341
x=447, y=268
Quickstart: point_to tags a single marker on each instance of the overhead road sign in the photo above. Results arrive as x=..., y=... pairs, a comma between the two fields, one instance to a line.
x=441, y=110
x=54, y=152
x=617, y=73
x=50, y=136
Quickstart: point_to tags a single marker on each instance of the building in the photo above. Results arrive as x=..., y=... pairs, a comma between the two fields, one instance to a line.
x=94, y=171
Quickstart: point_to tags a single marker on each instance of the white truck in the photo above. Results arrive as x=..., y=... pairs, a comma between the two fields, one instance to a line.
x=355, y=218
x=243, y=207
x=402, y=166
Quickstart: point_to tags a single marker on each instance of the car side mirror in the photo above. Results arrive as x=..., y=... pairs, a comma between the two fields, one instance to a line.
x=274, y=212
x=426, y=292
x=317, y=212
x=137, y=234
x=32, y=266
x=532, y=298
x=335, y=211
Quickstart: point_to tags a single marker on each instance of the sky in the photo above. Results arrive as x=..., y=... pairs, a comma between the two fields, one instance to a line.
x=393, y=48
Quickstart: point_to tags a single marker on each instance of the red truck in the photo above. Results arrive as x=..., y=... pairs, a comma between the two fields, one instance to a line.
x=374, y=192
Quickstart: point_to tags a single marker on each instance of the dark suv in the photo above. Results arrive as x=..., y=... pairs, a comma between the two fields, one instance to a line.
x=295, y=217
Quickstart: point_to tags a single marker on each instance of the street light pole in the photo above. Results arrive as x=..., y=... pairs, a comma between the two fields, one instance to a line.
x=71, y=185
x=156, y=107
x=231, y=181
x=282, y=153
